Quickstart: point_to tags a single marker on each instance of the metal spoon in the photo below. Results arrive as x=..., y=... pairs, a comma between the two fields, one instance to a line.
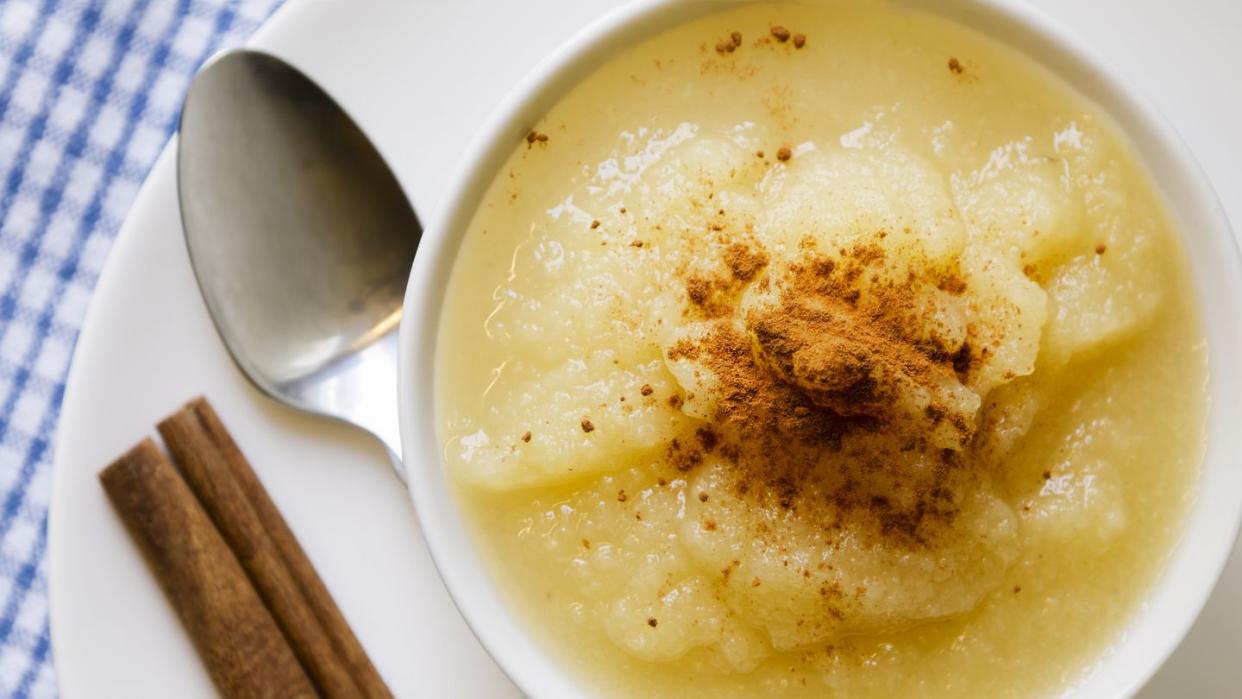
x=301, y=239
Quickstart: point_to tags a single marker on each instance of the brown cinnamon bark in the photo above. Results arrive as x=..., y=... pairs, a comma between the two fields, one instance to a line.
x=243, y=649
x=222, y=478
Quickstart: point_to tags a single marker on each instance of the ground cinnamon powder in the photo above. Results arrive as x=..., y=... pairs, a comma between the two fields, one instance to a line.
x=808, y=386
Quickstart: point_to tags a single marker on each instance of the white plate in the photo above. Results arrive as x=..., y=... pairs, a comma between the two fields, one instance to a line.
x=420, y=77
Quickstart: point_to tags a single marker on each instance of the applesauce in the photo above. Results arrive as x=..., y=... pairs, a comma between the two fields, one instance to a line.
x=823, y=350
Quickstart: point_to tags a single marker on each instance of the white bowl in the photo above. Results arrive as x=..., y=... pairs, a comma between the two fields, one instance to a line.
x=1211, y=526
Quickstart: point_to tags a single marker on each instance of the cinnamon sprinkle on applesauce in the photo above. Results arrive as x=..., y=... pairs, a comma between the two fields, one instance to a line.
x=833, y=394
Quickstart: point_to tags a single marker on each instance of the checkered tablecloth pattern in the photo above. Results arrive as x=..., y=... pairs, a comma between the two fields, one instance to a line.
x=89, y=93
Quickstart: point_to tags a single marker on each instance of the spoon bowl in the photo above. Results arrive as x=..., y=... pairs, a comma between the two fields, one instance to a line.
x=301, y=239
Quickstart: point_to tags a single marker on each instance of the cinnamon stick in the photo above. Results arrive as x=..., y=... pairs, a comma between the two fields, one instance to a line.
x=238, y=640
x=224, y=481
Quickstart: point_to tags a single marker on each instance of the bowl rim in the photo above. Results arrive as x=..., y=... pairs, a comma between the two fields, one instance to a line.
x=1210, y=524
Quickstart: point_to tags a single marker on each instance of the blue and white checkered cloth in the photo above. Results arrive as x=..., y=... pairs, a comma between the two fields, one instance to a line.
x=89, y=94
